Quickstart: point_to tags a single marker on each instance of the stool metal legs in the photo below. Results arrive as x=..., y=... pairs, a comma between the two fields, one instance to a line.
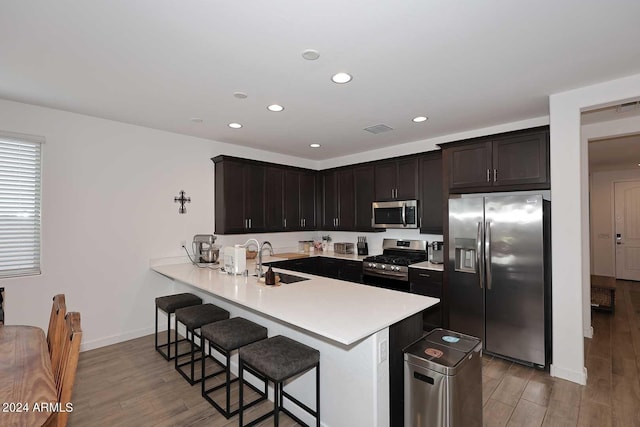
x=279, y=395
x=226, y=411
x=190, y=378
x=167, y=355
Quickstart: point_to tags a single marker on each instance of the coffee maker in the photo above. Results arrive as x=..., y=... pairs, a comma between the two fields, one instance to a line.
x=204, y=250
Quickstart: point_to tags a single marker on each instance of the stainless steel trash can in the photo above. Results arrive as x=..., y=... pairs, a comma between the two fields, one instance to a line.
x=443, y=381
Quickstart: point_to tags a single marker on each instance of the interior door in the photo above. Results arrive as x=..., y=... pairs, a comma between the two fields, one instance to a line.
x=627, y=218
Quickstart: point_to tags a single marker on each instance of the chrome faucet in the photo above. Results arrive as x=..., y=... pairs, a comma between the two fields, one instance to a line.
x=260, y=249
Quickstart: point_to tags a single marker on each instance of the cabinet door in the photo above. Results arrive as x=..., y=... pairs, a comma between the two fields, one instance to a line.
x=351, y=271
x=407, y=179
x=308, y=200
x=230, y=215
x=385, y=180
x=364, y=192
x=329, y=200
x=254, y=197
x=346, y=200
x=292, y=201
x=274, y=203
x=521, y=159
x=431, y=203
x=470, y=165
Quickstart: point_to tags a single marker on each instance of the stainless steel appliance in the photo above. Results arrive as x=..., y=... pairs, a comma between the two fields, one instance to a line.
x=396, y=214
x=204, y=249
x=443, y=381
x=391, y=269
x=436, y=252
x=498, y=274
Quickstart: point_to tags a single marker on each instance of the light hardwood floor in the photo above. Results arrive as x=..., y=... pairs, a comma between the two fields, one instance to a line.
x=129, y=384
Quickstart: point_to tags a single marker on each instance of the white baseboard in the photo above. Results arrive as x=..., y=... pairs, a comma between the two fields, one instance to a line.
x=114, y=339
x=579, y=377
x=588, y=333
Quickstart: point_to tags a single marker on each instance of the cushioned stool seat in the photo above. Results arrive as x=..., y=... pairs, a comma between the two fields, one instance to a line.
x=169, y=304
x=225, y=336
x=278, y=359
x=193, y=318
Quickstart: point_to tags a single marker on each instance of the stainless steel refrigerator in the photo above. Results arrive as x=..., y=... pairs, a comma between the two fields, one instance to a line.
x=498, y=274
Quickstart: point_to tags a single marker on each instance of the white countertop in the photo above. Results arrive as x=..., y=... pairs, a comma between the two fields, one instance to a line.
x=426, y=265
x=340, y=311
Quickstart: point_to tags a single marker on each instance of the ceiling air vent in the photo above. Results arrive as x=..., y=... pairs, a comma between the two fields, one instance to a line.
x=376, y=129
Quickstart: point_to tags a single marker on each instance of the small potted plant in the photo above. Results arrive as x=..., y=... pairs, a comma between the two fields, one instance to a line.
x=325, y=242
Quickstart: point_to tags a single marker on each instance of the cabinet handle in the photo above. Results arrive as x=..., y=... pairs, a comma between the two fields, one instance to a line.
x=392, y=195
x=246, y=223
x=424, y=275
x=304, y=222
x=488, y=175
x=285, y=223
x=495, y=174
x=249, y=222
x=301, y=223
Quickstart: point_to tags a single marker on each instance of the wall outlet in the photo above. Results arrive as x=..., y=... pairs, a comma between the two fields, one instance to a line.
x=183, y=244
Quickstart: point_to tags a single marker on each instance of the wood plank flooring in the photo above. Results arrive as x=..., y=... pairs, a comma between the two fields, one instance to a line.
x=129, y=384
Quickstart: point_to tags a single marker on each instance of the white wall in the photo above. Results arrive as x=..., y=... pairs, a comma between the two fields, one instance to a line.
x=107, y=209
x=570, y=219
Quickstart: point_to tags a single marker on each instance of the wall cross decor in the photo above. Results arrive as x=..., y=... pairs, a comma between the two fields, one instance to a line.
x=182, y=200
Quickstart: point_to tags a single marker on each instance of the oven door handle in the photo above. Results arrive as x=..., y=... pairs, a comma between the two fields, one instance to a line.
x=387, y=275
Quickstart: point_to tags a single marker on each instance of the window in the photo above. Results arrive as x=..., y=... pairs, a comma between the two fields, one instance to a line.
x=19, y=204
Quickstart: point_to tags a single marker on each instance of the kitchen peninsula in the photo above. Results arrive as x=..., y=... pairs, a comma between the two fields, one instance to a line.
x=359, y=331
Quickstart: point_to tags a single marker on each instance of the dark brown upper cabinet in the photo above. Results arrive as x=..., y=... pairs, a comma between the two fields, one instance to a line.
x=240, y=196
x=275, y=199
x=431, y=194
x=299, y=200
x=396, y=179
x=363, y=179
x=517, y=160
x=338, y=200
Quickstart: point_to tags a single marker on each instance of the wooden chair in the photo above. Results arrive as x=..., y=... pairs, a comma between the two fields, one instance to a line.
x=55, y=335
x=65, y=374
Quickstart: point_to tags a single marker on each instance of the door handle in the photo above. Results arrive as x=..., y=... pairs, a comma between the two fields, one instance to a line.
x=487, y=253
x=404, y=214
x=618, y=239
x=479, y=265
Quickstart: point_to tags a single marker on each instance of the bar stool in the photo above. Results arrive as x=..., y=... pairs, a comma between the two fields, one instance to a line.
x=169, y=304
x=279, y=358
x=193, y=318
x=226, y=336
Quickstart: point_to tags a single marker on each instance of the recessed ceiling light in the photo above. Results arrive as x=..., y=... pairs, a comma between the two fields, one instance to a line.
x=196, y=120
x=310, y=54
x=275, y=108
x=314, y=145
x=240, y=95
x=235, y=125
x=341, y=78
x=419, y=119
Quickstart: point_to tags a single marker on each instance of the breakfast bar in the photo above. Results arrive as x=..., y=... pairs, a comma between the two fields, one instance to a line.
x=358, y=329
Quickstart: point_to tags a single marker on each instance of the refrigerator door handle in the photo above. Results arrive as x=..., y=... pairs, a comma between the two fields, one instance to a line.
x=479, y=263
x=487, y=252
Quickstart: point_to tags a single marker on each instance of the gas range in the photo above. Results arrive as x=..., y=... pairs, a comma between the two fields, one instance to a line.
x=396, y=257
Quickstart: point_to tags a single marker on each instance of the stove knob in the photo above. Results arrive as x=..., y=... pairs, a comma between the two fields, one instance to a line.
x=397, y=268
x=383, y=266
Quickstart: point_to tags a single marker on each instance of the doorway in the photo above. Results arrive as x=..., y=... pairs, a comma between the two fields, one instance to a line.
x=627, y=229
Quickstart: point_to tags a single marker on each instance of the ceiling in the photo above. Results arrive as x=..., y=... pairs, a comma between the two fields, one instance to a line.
x=463, y=64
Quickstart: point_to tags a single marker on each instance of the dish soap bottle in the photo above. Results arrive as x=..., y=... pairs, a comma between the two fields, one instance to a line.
x=270, y=277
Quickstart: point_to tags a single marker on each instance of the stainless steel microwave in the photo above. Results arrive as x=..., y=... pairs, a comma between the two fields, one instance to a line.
x=396, y=214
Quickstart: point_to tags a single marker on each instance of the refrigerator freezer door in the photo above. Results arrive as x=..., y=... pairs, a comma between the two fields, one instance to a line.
x=514, y=295
x=466, y=267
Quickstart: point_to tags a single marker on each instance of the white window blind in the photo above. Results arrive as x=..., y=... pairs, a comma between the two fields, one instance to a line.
x=20, y=164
